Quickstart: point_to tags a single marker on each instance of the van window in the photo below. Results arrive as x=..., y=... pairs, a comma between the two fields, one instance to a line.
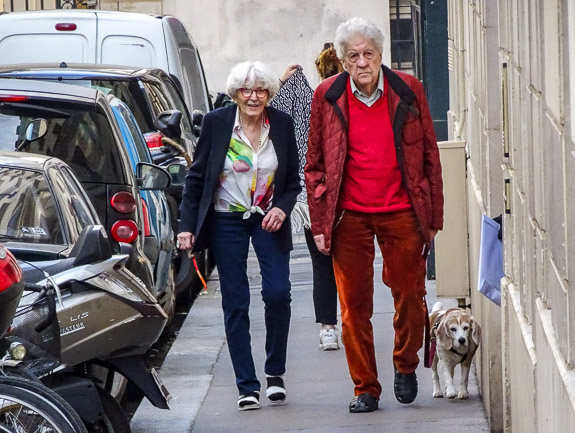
x=47, y=48
x=76, y=134
x=194, y=78
x=128, y=51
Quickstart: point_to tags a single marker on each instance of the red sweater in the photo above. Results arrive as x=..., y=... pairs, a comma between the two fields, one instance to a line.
x=371, y=180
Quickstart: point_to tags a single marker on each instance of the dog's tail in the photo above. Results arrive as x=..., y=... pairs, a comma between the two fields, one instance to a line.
x=437, y=307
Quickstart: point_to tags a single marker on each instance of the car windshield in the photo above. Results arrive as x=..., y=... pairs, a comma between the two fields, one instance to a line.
x=127, y=91
x=75, y=133
x=28, y=210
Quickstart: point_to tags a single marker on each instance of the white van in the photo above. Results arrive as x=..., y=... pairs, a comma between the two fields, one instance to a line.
x=113, y=38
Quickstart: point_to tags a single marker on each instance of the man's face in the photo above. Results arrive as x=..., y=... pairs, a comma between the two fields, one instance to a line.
x=363, y=62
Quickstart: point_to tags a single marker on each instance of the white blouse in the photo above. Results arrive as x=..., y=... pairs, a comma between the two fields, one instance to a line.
x=247, y=180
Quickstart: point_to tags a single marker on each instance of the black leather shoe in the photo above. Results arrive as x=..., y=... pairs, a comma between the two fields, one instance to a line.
x=405, y=387
x=363, y=403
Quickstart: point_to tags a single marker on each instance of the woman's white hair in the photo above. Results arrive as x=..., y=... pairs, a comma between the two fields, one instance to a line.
x=356, y=26
x=250, y=74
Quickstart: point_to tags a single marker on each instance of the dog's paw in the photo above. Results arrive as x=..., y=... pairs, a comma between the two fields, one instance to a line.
x=450, y=393
x=437, y=394
x=463, y=395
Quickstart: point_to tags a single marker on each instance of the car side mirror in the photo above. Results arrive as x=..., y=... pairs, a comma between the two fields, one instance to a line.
x=92, y=246
x=197, y=119
x=152, y=177
x=168, y=123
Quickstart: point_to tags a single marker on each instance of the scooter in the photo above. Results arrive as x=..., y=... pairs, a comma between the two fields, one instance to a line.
x=25, y=405
x=106, y=321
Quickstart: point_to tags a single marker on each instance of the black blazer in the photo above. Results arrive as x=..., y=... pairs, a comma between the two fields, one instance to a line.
x=203, y=178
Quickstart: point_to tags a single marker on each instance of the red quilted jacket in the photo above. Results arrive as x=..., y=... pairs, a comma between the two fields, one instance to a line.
x=415, y=144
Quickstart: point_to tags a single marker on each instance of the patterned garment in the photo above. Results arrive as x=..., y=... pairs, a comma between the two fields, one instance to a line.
x=246, y=182
x=294, y=98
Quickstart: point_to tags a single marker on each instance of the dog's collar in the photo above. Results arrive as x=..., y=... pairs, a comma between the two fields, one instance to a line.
x=463, y=355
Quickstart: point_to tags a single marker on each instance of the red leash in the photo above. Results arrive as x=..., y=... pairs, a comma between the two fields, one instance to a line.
x=429, y=348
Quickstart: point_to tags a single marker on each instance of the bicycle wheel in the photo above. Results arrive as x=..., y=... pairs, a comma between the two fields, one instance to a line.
x=30, y=407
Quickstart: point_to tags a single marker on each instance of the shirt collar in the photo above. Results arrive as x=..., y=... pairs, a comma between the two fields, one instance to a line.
x=378, y=92
x=237, y=120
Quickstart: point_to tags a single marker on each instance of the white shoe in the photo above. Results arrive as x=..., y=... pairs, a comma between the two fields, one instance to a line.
x=328, y=339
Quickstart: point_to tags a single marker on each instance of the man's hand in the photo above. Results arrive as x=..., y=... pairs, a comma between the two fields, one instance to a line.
x=273, y=220
x=432, y=233
x=185, y=240
x=320, y=243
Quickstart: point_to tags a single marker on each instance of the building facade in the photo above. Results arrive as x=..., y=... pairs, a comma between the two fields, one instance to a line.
x=511, y=65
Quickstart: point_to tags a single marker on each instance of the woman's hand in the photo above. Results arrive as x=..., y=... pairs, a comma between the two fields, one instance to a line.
x=290, y=70
x=273, y=220
x=185, y=240
x=320, y=244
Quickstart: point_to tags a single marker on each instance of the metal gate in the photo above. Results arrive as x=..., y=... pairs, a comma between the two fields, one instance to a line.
x=32, y=5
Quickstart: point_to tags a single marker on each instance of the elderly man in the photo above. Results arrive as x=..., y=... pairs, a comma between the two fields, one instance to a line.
x=373, y=172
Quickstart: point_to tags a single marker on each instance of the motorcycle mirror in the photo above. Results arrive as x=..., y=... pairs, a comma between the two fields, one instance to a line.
x=168, y=123
x=36, y=129
x=92, y=246
x=178, y=173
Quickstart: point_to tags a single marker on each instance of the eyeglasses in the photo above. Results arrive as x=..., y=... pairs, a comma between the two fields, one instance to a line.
x=260, y=93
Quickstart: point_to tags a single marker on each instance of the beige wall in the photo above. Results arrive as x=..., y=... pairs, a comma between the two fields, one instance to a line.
x=517, y=54
x=277, y=32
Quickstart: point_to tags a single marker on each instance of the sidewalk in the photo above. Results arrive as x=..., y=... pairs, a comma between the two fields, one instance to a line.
x=198, y=373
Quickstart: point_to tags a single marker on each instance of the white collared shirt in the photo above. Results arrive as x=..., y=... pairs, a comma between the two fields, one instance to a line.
x=368, y=100
x=247, y=179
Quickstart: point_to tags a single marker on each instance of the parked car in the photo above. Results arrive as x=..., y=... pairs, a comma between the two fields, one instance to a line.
x=78, y=126
x=151, y=95
x=106, y=318
x=159, y=236
x=106, y=37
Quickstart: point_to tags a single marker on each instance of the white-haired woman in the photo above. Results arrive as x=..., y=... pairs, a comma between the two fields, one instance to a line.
x=242, y=186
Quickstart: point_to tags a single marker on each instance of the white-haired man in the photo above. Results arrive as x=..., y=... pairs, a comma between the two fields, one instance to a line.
x=373, y=172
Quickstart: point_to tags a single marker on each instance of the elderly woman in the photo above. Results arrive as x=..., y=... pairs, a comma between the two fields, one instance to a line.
x=242, y=185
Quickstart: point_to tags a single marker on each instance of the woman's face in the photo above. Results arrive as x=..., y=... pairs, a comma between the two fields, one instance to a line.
x=252, y=102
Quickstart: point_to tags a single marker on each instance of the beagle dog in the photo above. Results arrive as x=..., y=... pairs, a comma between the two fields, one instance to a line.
x=456, y=336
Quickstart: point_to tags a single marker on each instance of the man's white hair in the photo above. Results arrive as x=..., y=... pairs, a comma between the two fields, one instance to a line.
x=247, y=74
x=356, y=26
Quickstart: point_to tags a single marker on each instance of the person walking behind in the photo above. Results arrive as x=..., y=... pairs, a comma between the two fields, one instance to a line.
x=294, y=98
x=242, y=186
x=373, y=172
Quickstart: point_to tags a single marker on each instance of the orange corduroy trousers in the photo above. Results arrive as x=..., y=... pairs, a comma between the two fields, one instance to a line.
x=353, y=252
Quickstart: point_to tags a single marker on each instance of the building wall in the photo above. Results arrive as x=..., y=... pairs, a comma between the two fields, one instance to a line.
x=275, y=31
x=510, y=100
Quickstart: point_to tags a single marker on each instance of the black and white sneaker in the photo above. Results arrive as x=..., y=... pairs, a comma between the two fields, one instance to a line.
x=249, y=401
x=276, y=391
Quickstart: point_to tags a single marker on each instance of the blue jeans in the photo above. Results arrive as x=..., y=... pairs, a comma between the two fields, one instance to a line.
x=230, y=237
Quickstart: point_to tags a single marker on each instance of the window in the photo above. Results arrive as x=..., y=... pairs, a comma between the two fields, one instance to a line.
x=179, y=104
x=402, y=35
x=28, y=211
x=76, y=134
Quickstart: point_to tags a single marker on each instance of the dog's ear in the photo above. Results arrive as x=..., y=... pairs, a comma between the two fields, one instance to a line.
x=443, y=335
x=475, y=331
